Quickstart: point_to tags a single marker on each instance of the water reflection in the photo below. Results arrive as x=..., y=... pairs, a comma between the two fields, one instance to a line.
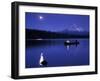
x=55, y=53
x=42, y=60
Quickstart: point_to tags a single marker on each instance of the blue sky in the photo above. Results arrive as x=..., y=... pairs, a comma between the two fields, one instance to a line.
x=56, y=22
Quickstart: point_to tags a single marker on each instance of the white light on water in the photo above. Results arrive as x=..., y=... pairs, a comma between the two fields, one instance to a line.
x=41, y=59
x=67, y=47
x=40, y=17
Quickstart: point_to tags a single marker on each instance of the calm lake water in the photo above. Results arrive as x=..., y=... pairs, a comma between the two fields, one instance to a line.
x=56, y=53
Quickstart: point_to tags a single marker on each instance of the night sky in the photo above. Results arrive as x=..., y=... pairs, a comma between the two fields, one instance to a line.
x=56, y=22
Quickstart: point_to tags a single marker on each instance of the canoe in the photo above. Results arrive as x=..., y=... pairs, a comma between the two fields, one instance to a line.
x=71, y=42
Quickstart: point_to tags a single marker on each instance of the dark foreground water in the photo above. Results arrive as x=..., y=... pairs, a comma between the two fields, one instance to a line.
x=56, y=53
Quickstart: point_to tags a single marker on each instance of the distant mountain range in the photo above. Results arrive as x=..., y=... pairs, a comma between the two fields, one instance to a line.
x=42, y=34
x=75, y=32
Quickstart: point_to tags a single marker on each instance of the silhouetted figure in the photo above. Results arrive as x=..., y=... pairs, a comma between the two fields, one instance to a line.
x=44, y=63
x=76, y=43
